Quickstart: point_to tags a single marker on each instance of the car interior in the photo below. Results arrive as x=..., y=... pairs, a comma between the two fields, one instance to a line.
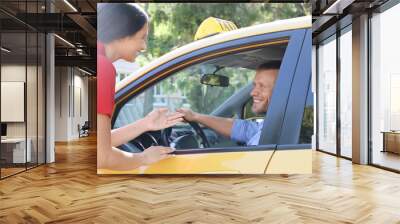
x=192, y=135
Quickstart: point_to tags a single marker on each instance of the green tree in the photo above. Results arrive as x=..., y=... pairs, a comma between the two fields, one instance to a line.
x=174, y=24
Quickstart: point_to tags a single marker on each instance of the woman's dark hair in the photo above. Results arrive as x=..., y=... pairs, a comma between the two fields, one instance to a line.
x=119, y=20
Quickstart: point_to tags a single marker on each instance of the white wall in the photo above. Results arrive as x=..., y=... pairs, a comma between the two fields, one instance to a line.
x=61, y=103
x=12, y=73
x=12, y=101
x=33, y=126
x=80, y=93
x=70, y=83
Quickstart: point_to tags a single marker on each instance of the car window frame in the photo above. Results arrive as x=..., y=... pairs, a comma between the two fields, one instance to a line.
x=276, y=113
x=292, y=38
x=294, y=113
x=166, y=69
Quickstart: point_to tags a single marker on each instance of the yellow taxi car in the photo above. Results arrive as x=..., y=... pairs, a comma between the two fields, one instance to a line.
x=213, y=75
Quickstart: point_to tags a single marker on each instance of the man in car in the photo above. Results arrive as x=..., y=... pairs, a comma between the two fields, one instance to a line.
x=239, y=130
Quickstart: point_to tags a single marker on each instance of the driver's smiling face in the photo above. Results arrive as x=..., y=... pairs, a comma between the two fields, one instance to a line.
x=263, y=85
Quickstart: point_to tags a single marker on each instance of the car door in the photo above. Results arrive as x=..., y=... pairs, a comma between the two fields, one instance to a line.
x=246, y=159
x=293, y=154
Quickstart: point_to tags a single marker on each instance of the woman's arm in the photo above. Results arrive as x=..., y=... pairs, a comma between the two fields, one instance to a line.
x=156, y=120
x=126, y=133
x=109, y=157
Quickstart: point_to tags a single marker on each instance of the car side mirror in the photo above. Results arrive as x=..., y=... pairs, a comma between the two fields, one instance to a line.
x=214, y=80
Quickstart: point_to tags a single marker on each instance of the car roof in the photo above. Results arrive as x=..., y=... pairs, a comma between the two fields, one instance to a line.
x=265, y=28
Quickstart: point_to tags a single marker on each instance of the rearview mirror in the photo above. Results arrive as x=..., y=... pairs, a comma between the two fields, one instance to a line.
x=214, y=80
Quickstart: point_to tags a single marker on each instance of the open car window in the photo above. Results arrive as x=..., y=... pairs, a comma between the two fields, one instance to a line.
x=307, y=125
x=185, y=88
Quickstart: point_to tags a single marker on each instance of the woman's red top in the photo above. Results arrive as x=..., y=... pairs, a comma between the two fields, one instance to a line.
x=105, y=82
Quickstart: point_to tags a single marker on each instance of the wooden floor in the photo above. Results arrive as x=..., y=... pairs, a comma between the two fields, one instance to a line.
x=10, y=171
x=69, y=191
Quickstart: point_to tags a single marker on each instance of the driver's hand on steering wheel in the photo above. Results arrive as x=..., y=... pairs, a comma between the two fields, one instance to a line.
x=156, y=153
x=161, y=118
x=188, y=114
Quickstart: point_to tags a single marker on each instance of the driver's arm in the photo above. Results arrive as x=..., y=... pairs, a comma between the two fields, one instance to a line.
x=221, y=125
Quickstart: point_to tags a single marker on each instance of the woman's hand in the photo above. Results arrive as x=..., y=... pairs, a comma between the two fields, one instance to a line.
x=161, y=118
x=156, y=153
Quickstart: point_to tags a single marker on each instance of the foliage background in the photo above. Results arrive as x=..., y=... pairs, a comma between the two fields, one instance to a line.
x=174, y=24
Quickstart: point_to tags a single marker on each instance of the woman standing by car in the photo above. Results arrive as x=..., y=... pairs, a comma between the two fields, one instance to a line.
x=122, y=34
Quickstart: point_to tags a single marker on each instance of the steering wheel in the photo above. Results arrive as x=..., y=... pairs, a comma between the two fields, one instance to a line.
x=139, y=144
x=166, y=134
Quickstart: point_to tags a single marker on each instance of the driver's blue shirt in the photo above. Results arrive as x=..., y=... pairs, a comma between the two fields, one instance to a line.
x=248, y=132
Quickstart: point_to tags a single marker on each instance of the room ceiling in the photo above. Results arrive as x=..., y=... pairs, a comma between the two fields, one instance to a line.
x=77, y=27
x=327, y=13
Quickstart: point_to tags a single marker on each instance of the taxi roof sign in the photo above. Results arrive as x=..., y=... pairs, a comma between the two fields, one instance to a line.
x=212, y=26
